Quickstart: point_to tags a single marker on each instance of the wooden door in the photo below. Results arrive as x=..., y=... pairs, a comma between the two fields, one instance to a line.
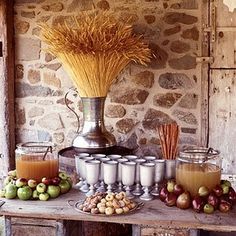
x=222, y=85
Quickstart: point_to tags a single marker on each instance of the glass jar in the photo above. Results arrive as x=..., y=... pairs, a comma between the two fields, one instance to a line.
x=198, y=167
x=35, y=160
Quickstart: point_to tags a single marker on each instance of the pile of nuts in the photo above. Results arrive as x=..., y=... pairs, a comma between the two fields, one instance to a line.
x=107, y=203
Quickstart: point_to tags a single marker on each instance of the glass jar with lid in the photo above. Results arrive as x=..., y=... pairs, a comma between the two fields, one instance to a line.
x=35, y=160
x=198, y=167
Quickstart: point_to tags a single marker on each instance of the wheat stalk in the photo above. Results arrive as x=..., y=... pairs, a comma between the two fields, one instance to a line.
x=95, y=51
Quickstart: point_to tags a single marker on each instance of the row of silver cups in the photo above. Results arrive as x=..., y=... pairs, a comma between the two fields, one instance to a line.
x=138, y=177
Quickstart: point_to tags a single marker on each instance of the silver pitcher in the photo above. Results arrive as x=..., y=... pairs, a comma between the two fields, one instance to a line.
x=93, y=133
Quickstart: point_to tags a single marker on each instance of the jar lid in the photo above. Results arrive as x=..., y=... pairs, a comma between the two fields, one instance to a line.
x=35, y=147
x=198, y=154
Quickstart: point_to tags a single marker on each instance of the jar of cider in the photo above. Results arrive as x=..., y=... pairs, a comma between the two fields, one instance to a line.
x=198, y=167
x=35, y=160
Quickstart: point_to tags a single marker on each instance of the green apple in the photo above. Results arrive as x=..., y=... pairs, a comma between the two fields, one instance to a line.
x=170, y=186
x=64, y=186
x=53, y=191
x=70, y=181
x=32, y=183
x=11, y=191
x=24, y=193
x=226, y=182
x=43, y=196
x=21, y=182
x=35, y=194
x=12, y=173
x=7, y=180
x=63, y=175
x=41, y=188
x=225, y=188
x=2, y=192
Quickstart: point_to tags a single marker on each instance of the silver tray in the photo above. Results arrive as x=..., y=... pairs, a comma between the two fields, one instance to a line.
x=76, y=205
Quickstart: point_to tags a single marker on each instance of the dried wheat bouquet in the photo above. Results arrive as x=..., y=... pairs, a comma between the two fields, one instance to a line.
x=95, y=50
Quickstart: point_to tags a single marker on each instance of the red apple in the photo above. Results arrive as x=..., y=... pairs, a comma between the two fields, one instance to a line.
x=213, y=200
x=163, y=194
x=178, y=189
x=232, y=195
x=184, y=200
x=198, y=204
x=21, y=182
x=218, y=191
x=32, y=183
x=224, y=207
x=56, y=181
x=46, y=181
x=170, y=199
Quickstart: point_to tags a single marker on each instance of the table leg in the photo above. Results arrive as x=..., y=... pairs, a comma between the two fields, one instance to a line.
x=7, y=226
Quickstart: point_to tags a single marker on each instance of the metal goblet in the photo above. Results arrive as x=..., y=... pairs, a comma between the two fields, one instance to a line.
x=138, y=190
x=149, y=158
x=102, y=187
x=119, y=174
x=170, y=169
x=110, y=174
x=92, y=175
x=77, y=168
x=82, y=160
x=98, y=156
x=158, y=176
x=114, y=157
x=128, y=176
x=131, y=157
x=146, y=178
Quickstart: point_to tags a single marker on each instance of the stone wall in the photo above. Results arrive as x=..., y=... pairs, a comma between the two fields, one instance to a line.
x=143, y=97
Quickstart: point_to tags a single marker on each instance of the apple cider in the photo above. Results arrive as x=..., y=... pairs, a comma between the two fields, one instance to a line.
x=35, y=161
x=198, y=167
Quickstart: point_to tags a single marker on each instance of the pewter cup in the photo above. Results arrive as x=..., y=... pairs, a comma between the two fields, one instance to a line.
x=131, y=157
x=170, y=169
x=102, y=187
x=159, y=175
x=92, y=175
x=77, y=167
x=98, y=156
x=119, y=174
x=138, y=190
x=150, y=158
x=147, y=171
x=82, y=160
x=110, y=174
x=114, y=157
x=128, y=176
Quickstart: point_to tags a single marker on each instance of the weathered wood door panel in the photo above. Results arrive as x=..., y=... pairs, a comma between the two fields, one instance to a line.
x=222, y=87
x=222, y=122
x=224, y=48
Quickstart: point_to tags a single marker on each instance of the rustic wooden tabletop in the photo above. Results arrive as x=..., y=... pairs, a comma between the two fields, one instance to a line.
x=153, y=213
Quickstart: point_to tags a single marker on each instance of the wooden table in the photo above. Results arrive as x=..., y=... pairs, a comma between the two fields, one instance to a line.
x=153, y=213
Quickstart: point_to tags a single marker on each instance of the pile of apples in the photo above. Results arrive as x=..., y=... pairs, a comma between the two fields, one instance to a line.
x=222, y=197
x=29, y=189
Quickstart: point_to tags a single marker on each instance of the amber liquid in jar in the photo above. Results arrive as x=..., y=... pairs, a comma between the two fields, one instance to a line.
x=192, y=176
x=36, y=169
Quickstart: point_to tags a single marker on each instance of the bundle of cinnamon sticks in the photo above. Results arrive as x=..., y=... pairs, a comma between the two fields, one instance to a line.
x=169, y=136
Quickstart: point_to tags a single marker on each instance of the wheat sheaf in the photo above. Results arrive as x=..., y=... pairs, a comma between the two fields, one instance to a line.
x=95, y=50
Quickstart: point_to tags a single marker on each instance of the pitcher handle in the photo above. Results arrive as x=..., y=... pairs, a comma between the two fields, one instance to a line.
x=68, y=106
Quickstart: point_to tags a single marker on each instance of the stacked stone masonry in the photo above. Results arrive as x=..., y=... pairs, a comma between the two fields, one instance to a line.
x=167, y=90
